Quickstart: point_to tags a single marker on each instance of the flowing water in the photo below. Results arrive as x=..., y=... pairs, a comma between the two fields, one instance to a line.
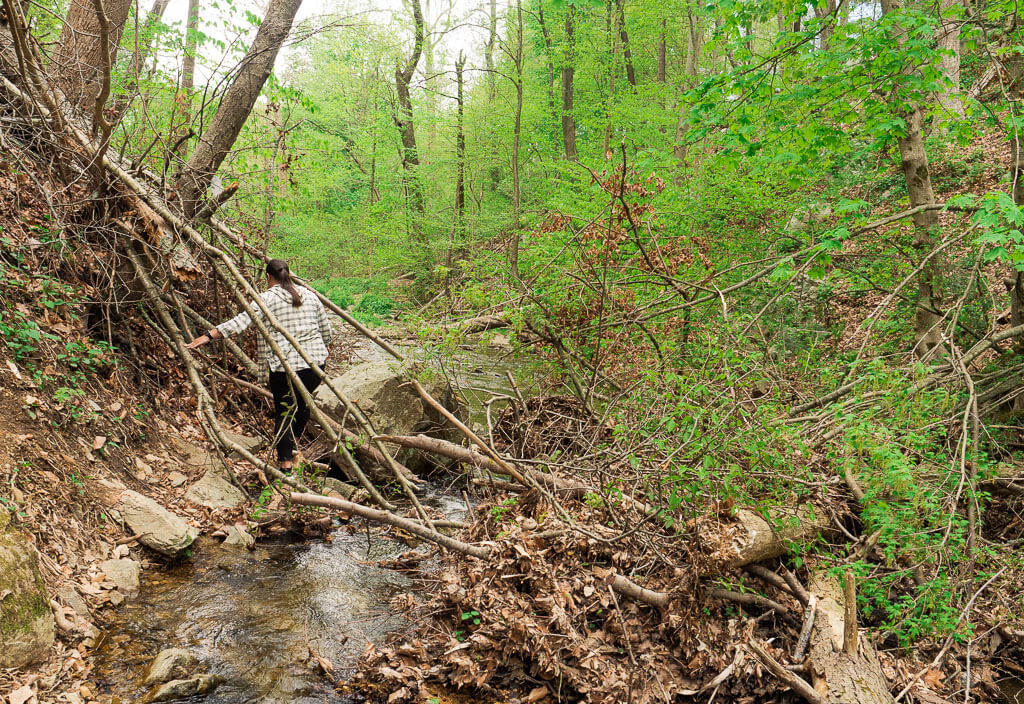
x=252, y=616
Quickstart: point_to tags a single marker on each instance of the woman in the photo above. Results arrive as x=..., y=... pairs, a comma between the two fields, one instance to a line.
x=299, y=311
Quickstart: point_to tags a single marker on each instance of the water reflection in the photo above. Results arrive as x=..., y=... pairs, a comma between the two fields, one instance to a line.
x=253, y=617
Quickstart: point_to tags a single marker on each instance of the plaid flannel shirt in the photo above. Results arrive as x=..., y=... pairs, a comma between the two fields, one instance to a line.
x=307, y=323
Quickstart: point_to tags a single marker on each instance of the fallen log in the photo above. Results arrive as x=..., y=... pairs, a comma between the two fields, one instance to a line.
x=481, y=323
x=754, y=539
x=844, y=667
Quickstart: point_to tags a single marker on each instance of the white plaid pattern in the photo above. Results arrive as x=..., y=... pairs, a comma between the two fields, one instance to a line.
x=307, y=323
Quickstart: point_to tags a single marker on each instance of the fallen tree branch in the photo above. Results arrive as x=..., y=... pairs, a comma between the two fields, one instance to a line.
x=797, y=684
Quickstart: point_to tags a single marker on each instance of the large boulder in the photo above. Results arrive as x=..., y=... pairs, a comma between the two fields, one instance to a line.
x=214, y=490
x=156, y=527
x=26, y=622
x=392, y=405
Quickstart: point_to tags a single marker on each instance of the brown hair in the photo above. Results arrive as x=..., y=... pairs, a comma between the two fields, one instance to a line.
x=278, y=270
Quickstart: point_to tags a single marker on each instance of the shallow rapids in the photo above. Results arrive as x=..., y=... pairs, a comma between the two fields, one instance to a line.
x=252, y=616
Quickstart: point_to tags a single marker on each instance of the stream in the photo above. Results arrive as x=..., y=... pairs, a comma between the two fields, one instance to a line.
x=251, y=616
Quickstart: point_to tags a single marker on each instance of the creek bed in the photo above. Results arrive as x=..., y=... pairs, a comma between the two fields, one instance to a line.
x=252, y=616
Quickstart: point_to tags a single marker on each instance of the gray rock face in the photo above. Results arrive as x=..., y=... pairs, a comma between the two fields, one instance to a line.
x=178, y=689
x=250, y=444
x=807, y=217
x=391, y=404
x=123, y=573
x=157, y=528
x=214, y=491
x=26, y=622
x=170, y=664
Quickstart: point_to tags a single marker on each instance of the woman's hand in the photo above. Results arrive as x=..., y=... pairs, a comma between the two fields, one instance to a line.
x=213, y=334
x=198, y=342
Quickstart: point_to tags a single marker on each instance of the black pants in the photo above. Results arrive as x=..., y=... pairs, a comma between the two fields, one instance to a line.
x=290, y=411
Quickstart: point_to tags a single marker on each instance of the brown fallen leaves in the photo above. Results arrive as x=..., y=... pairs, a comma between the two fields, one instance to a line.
x=540, y=614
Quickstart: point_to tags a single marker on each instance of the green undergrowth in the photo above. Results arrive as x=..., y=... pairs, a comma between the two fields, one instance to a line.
x=42, y=329
x=367, y=297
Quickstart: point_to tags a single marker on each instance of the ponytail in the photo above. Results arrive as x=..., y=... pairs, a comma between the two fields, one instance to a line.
x=278, y=269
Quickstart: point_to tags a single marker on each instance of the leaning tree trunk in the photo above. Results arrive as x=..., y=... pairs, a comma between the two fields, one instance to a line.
x=81, y=63
x=928, y=336
x=234, y=109
x=406, y=126
x=568, y=121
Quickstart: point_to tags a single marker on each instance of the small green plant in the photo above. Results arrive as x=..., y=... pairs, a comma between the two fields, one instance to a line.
x=260, y=509
x=497, y=512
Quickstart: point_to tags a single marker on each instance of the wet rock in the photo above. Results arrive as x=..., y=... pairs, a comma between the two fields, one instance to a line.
x=214, y=491
x=115, y=598
x=249, y=444
x=123, y=573
x=157, y=528
x=170, y=664
x=26, y=622
x=239, y=537
x=178, y=689
x=391, y=403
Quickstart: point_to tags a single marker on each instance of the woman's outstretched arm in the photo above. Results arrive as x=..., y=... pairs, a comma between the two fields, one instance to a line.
x=212, y=334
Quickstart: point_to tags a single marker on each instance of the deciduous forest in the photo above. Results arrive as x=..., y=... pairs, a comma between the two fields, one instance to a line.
x=676, y=351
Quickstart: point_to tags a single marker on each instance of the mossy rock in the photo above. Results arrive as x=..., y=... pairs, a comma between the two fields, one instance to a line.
x=26, y=623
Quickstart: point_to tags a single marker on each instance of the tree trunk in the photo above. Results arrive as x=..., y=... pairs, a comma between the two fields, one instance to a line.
x=662, y=61
x=568, y=121
x=188, y=65
x=215, y=143
x=947, y=36
x=144, y=42
x=549, y=56
x=460, y=147
x=459, y=225
x=406, y=126
x=694, y=44
x=928, y=336
x=513, y=258
x=81, y=63
x=627, y=56
x=188, y=73
x=827, y=16
x=610, y=20
x=492, y=40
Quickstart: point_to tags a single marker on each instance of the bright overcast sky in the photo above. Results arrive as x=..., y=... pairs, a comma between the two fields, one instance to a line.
x=467, y=35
